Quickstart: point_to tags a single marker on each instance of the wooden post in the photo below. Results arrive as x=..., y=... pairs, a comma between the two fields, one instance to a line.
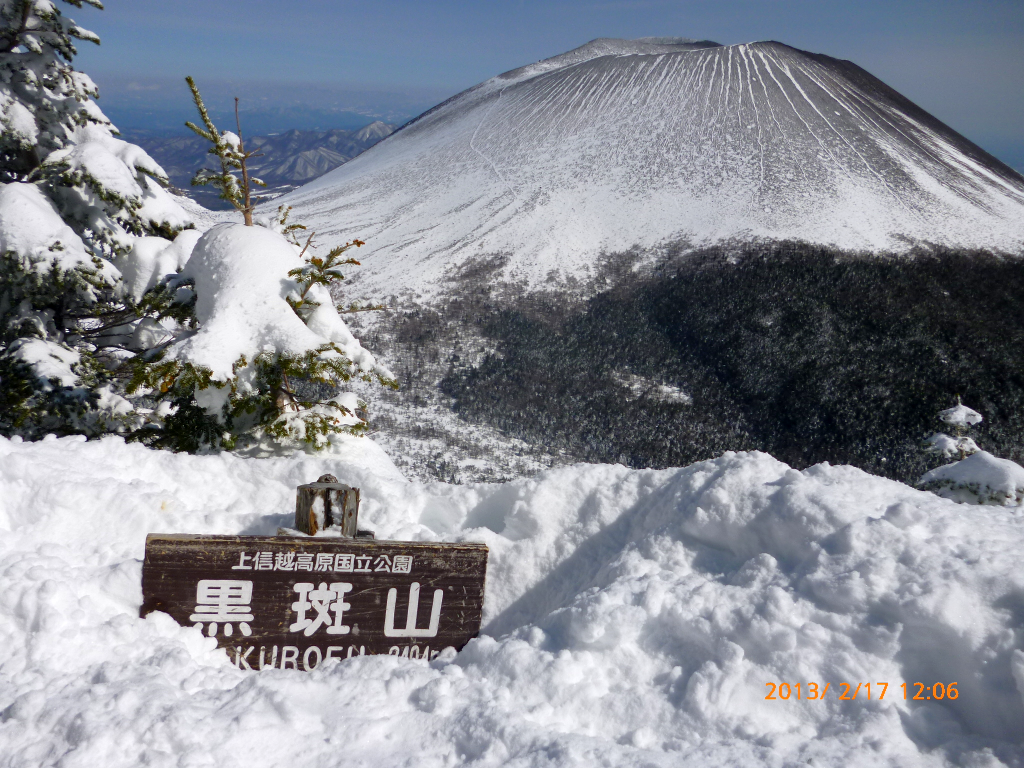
x=325, y=503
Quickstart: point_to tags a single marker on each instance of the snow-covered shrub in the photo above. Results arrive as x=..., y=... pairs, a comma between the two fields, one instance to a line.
x=267, y=353
x=253, y=351
x=978, y=477
x=959, y=417
x=981, y=478
x=73, y=201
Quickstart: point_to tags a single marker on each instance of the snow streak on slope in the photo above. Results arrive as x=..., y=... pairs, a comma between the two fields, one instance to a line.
x=623, y=143
x=633, y=618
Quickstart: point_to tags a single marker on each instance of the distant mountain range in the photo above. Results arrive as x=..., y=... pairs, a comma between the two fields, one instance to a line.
x=658, y=144
x=289, y=159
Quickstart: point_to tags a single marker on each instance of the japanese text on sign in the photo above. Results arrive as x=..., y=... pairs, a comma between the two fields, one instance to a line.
x=323, y=562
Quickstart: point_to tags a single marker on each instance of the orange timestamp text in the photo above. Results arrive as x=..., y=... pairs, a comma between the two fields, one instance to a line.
x=846, y=691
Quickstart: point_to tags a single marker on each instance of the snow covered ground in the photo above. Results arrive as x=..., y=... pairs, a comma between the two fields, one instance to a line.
x=633, y=618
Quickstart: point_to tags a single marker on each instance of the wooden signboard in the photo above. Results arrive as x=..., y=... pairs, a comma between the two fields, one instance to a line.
x=291, y=602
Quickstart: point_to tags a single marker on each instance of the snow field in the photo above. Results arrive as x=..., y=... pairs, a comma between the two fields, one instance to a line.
x=632, y=618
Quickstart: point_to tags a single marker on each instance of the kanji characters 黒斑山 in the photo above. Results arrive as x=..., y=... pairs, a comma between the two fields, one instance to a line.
x=223, y=601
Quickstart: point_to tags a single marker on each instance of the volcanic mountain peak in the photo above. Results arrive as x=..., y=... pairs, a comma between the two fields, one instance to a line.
x=659, y=141
x=609, y=46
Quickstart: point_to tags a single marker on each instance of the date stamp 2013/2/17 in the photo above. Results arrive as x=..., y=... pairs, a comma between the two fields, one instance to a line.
x=846, y=691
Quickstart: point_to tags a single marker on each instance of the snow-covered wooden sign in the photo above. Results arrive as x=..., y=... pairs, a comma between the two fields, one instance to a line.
x=291, y=602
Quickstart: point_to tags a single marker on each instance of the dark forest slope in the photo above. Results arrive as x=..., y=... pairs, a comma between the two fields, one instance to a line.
x=807, y=354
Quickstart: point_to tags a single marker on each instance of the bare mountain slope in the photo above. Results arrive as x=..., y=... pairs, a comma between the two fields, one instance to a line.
x=651, y=142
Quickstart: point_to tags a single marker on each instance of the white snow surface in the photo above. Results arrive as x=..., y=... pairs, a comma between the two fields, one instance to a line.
x=48, y=359
x=153, y=258
x=241, y=283
x=650, y=142
x=960, y=416
x=632, y=618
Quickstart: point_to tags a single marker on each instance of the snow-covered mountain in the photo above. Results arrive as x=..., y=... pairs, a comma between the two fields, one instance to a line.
x=657, y=141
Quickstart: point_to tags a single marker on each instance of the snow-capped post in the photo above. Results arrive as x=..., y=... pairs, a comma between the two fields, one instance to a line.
x=327, y=503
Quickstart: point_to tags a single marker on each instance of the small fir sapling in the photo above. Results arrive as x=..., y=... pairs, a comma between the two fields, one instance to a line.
x=75, y=202
x=229, y=149
x=261, y=352
x=960, y=418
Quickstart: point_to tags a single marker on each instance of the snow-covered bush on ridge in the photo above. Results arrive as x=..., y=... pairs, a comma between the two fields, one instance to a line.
x=265, y=334
x=259, y=350
x=74, y=200
x=981, y=478
x=978, y=477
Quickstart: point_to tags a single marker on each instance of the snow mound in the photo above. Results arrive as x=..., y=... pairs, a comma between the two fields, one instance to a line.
x=633, y=618
x=981, y=478
x=242, y=286
x=153, y=258
x=649, y=143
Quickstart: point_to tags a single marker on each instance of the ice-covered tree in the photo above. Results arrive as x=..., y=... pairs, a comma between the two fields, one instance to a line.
x=76, y=204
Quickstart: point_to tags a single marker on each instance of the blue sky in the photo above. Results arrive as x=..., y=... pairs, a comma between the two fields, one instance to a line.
x=320, y=62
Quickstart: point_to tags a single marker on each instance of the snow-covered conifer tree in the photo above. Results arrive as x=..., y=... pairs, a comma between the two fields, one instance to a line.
x=960, y=418
x=263, y=352
x=977, y=477
x=78, y=207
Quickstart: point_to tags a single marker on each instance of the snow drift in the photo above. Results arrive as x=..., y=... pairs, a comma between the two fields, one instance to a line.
x=632, y=618
x=981, y=478
x=642, y=143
